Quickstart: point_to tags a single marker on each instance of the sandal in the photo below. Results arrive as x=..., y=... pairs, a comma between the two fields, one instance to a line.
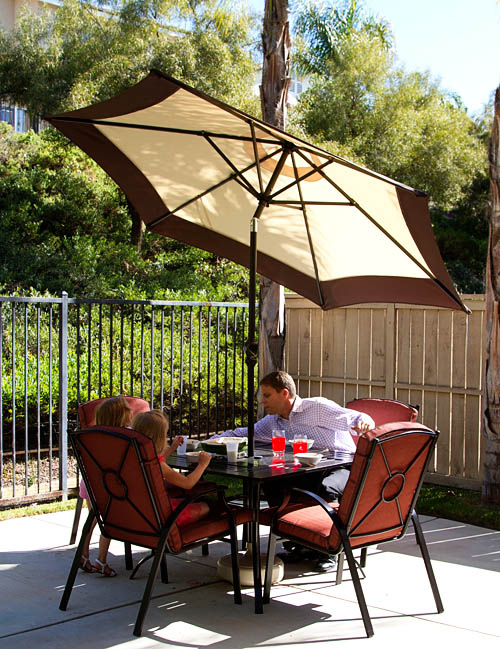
x=85, y=564
x=104, y=569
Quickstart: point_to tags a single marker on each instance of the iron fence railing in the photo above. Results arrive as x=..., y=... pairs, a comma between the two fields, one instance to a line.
x=187, y=358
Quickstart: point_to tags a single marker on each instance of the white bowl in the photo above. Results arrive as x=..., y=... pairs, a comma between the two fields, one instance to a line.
x=192, y=454
x=192, y=443
x=308, y=459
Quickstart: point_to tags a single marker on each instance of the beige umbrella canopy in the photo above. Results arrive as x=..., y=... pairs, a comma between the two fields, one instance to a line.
x=205, y=173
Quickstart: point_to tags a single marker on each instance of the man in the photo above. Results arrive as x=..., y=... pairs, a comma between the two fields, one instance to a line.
x=318, y=418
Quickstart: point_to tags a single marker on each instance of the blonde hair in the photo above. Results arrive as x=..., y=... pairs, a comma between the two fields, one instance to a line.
x=114, y=411
x=154, y=425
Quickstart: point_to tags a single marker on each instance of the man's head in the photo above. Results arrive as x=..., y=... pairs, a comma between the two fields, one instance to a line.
x=278, y=393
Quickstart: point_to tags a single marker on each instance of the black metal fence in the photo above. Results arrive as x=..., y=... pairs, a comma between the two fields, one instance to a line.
x=186, y=358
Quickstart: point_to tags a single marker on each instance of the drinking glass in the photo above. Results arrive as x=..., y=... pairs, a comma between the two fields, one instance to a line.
x=299, y=444
x=232, y=450
x=279, y=441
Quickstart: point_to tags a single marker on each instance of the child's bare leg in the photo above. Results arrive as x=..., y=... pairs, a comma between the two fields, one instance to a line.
x=85, y=561
x=101, y=565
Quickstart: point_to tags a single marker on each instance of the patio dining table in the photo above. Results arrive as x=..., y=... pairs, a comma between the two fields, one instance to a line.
x=254, y=473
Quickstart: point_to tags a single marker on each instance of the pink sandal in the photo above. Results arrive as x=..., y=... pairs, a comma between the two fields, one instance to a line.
x=104, y=569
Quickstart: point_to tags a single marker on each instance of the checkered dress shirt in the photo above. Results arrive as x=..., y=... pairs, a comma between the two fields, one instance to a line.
x=316, y=418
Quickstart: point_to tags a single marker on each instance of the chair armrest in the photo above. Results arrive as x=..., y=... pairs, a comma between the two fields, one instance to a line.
x=318, y=499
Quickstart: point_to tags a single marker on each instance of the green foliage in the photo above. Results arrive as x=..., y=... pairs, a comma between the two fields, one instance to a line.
x=80, y=54
x=66, y=227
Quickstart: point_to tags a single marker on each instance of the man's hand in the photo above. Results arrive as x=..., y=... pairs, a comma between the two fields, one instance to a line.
x=362, y=427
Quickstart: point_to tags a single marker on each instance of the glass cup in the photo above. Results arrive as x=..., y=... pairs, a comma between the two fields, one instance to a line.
x=299, y=444
x=232, y=450
x=181, y=450
x=279, y=441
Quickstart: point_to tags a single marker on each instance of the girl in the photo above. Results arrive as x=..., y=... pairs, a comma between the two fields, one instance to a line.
x=115, y=411
x=154, y=425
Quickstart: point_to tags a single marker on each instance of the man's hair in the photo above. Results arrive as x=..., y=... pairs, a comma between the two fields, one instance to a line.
x=115, y=411
x=154, y=425
x=279, y=381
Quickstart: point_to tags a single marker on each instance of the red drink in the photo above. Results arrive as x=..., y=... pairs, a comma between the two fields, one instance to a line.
x=299, y=446
x=279, y=444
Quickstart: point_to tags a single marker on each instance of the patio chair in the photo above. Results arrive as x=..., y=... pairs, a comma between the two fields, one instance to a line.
x=129, y=499
x=86, y=418
x=382, y=411
x=377, y=505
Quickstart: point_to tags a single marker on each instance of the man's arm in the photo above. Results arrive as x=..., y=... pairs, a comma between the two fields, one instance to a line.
x=262, y=430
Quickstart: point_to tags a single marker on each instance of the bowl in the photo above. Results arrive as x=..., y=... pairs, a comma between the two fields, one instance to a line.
x=308, y=459
x=310, y=442
x=192, y=443
x=218, y=446
x=192, y=454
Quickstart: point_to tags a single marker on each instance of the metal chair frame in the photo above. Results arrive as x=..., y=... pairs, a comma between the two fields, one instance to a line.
x=158, y=530
x=348, y=531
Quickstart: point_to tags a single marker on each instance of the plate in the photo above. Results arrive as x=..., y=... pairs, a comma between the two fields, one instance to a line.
x=192, y=453
x=218, y=446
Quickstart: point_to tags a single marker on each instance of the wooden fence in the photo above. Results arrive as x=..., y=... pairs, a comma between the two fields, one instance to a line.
x=421, y=355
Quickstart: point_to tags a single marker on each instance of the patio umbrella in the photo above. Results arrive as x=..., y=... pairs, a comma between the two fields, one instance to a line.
x=207, y=174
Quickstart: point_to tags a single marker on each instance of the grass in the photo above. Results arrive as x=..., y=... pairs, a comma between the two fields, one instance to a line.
x=443, y=502
x=458, y=505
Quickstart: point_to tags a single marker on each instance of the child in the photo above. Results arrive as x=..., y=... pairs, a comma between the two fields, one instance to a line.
x=154, y=425
x=115, y=411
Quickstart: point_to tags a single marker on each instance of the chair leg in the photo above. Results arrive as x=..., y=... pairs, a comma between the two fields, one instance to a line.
x=235, y=565
x=129, y=564
x=357, y=583
x=271, y=549
x=164, y=569
x=204, y=550
x=76, y=562
x=340, y=568
x=427, y=561
x=158, y=554
x=362, y=559
x=76, y=520
x=140, y=563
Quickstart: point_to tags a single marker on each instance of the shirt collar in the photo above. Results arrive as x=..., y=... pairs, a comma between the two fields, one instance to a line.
x=297, y=404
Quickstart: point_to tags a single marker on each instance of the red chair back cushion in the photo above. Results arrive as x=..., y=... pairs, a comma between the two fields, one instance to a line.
x=86, y=411
x=384, y=411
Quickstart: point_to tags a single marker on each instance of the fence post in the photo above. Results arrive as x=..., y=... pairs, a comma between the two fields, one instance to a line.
x=390, y=356
x=63, y=396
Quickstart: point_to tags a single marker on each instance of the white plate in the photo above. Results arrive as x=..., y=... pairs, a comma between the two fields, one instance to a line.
x=192, y=453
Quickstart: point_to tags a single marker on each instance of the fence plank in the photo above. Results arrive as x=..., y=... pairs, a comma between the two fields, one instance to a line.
x=419, y=354
x=316, y=354
x=457, y=440
x=443, y=399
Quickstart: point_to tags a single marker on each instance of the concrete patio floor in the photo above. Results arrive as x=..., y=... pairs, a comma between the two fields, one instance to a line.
x=196, y=609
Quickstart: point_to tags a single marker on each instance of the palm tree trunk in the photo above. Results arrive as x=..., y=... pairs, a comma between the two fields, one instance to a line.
x=491, y=419
x=276, y=45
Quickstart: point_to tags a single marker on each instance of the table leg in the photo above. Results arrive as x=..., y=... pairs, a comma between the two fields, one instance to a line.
x=255, y=537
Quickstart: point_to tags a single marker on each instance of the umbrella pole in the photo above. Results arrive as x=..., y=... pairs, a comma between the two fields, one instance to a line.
x=252, y=344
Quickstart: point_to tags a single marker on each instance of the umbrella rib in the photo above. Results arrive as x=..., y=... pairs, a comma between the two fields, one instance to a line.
x=161, y=218
x=256, y=157
x=165, y=129
x=383, y=230
x=306, y=221
x=303, y=177
x=238, y=174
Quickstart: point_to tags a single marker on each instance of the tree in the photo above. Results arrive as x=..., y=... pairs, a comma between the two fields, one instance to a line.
x=491, y=419
x=81, y=54
x=276, y=46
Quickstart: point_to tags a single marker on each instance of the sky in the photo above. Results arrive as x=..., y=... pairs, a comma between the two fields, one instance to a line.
x=458, y=41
